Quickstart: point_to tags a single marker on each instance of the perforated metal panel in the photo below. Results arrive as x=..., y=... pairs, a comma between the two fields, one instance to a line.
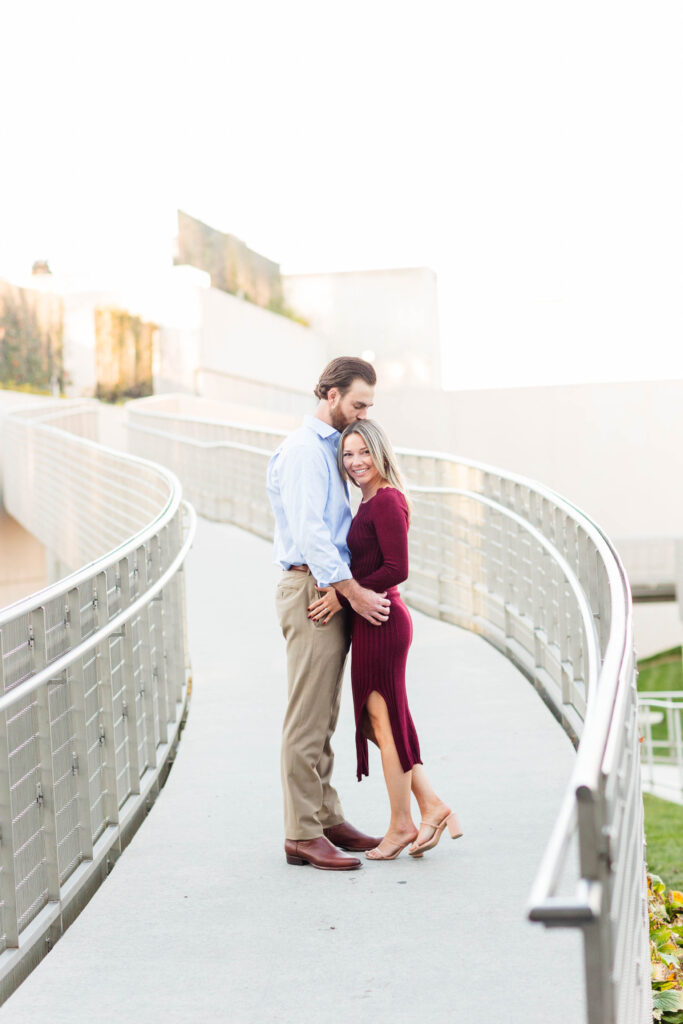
x=76, y=740
x=517, y=563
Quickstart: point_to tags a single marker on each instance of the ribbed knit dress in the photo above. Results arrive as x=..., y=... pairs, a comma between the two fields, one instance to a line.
x=378, y=542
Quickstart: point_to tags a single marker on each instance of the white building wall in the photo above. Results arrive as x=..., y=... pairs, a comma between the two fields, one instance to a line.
x=179, y=311
x=79, y=340
x=615, y=450
x=204, y=334
x=391, y=313
x=244, y=340
x=388, y=316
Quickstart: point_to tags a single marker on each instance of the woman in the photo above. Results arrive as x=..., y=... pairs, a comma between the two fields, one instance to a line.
x=378, y=541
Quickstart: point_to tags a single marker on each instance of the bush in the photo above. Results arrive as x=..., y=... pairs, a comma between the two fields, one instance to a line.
x=666, y=950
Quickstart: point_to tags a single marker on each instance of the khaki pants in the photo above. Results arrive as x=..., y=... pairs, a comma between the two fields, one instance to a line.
x=315, y=666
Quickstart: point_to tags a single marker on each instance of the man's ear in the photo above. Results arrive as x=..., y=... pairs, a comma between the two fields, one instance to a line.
x=332, y=395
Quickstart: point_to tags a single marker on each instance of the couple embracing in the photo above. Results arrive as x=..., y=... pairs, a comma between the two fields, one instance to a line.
x=339, y=586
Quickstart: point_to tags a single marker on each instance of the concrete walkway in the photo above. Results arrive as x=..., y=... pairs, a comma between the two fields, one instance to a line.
x=202, y=919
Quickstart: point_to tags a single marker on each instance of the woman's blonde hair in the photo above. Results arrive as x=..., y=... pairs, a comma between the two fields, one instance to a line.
x=381, y=453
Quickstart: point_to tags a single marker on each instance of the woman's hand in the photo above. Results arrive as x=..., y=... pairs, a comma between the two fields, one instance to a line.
x=322, y=610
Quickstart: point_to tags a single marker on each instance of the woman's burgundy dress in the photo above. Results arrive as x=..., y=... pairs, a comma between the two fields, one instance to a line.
x=378, y=541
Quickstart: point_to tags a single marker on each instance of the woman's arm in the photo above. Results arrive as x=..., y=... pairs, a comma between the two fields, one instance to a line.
x=390, y=518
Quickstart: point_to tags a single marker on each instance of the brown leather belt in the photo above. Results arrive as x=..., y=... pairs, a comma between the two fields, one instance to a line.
x=299, y=568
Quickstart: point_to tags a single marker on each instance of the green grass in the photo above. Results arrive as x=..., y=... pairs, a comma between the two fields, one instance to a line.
x=664, y=832
x=662, y=671
x=663, y=819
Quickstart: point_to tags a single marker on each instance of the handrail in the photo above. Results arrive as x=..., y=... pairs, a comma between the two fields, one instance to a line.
x=504, y=602
x=206, y=445
x=662, y=698
x=55, y=668
x=570, y=575
x=110, y=557
x=201, y=419
x=93, y=669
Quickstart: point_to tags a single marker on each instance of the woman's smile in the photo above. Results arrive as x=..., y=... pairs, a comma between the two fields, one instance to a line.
x=359, y=465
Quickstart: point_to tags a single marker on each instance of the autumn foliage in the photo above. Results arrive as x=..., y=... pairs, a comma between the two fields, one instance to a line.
x=666, y=950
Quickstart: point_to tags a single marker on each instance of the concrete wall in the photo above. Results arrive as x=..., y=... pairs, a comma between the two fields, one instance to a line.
x=206, y=333
x=614, y=450
x=201, y=329
x=392, y=313
x=232, y=265
x=79, y=342
x=242, y=339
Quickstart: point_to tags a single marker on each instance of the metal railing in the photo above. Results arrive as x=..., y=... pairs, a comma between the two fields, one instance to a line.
x=518, y=564
x=661, y=727
x=93, y=669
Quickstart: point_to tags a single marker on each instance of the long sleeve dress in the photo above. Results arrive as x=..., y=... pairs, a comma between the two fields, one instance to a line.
x=378, y=542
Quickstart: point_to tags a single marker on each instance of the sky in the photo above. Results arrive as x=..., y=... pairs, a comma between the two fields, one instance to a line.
x=530, y=153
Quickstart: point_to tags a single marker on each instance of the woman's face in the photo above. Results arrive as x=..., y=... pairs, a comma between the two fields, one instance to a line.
x=358, y=463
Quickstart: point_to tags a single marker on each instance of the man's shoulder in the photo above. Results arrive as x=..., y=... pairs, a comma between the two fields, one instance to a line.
x=302, y=437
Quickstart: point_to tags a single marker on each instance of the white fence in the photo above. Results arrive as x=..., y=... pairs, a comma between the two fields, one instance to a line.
x=661, y=726
x=517, y=563
x=93, y=670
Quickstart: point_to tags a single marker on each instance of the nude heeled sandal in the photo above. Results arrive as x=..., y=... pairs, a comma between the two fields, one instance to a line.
x=451, y=820
x=376, y=855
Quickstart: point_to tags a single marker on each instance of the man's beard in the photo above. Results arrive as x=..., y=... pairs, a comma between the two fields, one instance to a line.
x=338, y=421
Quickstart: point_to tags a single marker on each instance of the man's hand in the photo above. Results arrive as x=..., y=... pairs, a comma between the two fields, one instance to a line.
x=373, y=607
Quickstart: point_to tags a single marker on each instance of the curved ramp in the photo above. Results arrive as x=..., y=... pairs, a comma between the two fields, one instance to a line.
x=203, y=920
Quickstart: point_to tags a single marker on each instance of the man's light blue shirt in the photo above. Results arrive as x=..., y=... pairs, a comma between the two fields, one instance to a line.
x=311, y=503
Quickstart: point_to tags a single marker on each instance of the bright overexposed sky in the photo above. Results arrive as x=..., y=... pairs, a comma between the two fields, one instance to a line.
x=531, y=153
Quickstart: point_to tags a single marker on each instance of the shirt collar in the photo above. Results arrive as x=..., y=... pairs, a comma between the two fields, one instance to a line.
x=321, y=428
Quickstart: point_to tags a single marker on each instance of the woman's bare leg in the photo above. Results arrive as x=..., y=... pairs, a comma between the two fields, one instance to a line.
x=401, y=827
x=432, y=808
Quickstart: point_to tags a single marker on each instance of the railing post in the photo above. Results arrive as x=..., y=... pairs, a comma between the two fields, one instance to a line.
x=146, y=679
x=678, y=746
x=46, y=792
x=594, y=866
x=158, y=663
x=648, y=744
x=128, y=670
x=174, y=634
x=79, y=718
x=106, y=724
x=8, y=882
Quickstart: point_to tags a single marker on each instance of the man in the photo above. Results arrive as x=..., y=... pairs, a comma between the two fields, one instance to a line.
x=312, y=519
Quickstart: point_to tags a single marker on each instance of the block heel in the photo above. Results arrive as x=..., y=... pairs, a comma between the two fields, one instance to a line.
x=291, y=859
x=454, y=826
x=451, y=820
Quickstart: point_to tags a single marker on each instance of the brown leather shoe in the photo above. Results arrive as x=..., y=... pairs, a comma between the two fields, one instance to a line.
x=319, y=853
x=349, y=838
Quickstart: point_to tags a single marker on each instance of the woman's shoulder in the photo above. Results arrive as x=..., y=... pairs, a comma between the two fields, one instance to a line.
x=391, y=495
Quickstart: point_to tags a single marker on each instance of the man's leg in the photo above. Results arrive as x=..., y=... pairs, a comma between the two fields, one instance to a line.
x=331, y=810
x=315, y=665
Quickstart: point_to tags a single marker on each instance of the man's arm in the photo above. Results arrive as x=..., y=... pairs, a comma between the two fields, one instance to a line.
x=303, y=483
x=303, y=492
x=373, y=607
